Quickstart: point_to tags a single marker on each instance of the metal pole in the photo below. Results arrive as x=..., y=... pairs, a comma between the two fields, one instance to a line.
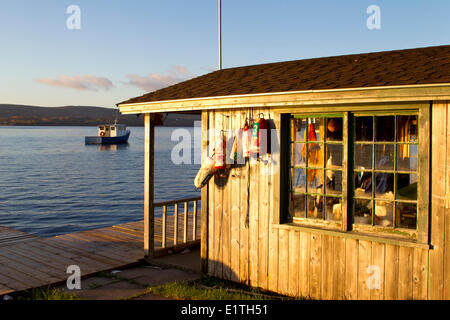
x=220, y=35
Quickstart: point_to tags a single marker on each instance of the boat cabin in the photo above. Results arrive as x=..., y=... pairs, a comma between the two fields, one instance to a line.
x=351, y=198
x=112, y=130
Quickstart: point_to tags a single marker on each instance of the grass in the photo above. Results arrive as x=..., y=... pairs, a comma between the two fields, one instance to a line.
x=209, y=288
x=47, y=293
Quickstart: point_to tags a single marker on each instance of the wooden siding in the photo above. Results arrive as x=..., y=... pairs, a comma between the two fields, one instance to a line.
x=308, y=263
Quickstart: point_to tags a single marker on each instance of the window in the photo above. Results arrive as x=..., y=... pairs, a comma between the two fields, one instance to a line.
x=317, y=168
x=366, y=163
x=385, y=170
x=113, y=129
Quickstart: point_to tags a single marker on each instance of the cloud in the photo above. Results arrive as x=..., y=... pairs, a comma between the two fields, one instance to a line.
x=80, y=82
x=155, y=81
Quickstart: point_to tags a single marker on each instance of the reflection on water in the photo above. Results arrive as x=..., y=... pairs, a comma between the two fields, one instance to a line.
x=111, y=147
x=52, y=183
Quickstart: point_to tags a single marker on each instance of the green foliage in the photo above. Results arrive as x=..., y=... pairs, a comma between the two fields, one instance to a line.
x=47, y=293
x=209, y=288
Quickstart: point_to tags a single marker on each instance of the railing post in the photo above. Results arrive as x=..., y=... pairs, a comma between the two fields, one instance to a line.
x=149, y=247
x=164, y=217
x=185, y=227
x=194, y=220
x=175, y=224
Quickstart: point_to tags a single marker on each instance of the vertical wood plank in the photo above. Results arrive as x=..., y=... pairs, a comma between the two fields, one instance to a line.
x=211, y=202
x=185, y=224
x=244, y=220
x=273, y=261
x=305, y=254
x=194, y=221
x=283, y=262
x=365, y=257
x=273, y=211
x=446, y=268
x=405, y=273
x=351, y=268
x=327, y=267
x=438, y=189
x=378, y=261
x=391, y=272
x=175, y=224
x=204, y=205
x=420, y=274
x=149, y=164
x=315, y=266
x=226, y=213
x=218, y=201
x=339, y=268
x=293, y=267
x=254, y=217
x=235, y=206
x=164, y=225
x=263, y=212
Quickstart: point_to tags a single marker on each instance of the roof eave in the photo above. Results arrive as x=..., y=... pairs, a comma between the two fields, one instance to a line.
x=381, y=94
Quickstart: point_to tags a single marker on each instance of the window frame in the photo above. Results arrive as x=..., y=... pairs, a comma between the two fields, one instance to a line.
x=421, y=234
x=329, y=224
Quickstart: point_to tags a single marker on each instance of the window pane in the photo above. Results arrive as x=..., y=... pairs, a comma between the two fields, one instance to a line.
x=385, y=128
x=364, y=129
x=298, y=154
x=298, y=129
x=363, y=156
x=315, y=155
x=384, y=157
x=299, y=208
x=315, y=181
x=363, y=184
x=333, y=208
x=407, y=186
x=406, y=215
x=315, y=129
x=407, y=157
x=384, y=187
x=333, y=182
x=298, y=180
x=334, y=129
x=384, y=213
x=407, y=128
x=315, y=207
x=334, y=155
x=363, y=212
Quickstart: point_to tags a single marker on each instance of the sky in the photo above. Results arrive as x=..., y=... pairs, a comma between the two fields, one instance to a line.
x=124, y=49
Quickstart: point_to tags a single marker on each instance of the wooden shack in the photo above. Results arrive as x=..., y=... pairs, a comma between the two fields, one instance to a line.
x=306, y=220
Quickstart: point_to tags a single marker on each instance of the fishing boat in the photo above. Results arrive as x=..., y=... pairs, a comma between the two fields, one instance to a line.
x=109, y=134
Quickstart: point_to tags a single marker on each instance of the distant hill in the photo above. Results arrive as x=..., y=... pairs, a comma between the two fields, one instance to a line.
x=22, y=115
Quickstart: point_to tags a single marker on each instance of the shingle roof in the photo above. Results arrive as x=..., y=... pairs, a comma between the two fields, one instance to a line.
x=429, y=65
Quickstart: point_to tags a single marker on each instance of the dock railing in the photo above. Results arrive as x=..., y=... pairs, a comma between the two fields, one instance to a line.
x=182, y=235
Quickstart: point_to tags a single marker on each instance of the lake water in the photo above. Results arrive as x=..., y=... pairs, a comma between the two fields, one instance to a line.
x=52, y=183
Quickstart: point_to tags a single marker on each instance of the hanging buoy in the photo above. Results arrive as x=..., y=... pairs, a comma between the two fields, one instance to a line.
x=220, y=151
x=246, y=137
x=205, y=173
x=259, y=135
x=237, y=142
x=102, y=134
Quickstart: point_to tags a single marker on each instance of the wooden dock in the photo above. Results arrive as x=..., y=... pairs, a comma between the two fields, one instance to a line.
x=28, y=261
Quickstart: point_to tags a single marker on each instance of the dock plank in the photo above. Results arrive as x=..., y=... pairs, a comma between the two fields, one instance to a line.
x=28, y=261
